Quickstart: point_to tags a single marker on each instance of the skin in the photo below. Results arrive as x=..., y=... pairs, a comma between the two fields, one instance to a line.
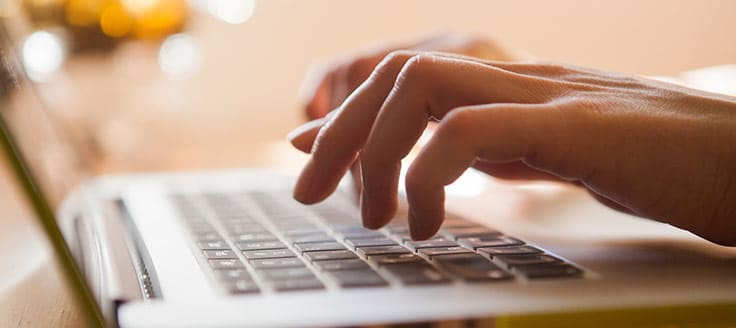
x=643, y=147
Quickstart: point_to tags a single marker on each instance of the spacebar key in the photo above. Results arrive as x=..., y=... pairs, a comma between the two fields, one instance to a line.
x=472, y=267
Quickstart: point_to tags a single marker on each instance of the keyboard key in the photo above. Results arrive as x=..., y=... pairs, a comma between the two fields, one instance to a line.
x=383, y=241
x=363, y=234
x=255, y=237
x=389, y=259
x=348, y=264
x=311, y=238
x=512, y=250
x=260, y=245
x=234, y=274
x=478, y=232
x=357, y=278
x=381, y=250
x=303, y=231
x=416, y=273
x=241, y=286
x=220, y=254
x=268, y=254
x=330, y=255
x=517, y=260
x=472, y=267
x=296, y=284
x=432, y=243
x=226, y=264
x=495, y=241
x=431, y=252
x=213, y=245
x=285, y=262
x=287, y=273
x=314, y=247
x=548, y=271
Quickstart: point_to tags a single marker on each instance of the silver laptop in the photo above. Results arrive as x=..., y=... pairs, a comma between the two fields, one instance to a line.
x=231, y=248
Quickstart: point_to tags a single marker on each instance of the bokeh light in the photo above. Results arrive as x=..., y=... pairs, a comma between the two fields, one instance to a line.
x=43, y=54
x=179, y=56
x=232, y=11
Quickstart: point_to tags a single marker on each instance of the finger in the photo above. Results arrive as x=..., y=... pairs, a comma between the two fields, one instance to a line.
x=341, y=137
x=502, y=132
x=303, y=136
x=316, y=91
x=515, y=170
x=429, y=86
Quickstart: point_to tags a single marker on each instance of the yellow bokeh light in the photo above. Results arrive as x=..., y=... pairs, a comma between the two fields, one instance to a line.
x=84, y=12
x=166, y=17
x=138, y=7
x=115, y=21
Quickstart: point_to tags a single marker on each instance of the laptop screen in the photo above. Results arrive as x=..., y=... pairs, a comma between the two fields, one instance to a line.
x=51, y=158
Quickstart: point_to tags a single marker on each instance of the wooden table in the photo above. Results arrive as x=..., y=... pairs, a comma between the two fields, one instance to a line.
x=236, y=108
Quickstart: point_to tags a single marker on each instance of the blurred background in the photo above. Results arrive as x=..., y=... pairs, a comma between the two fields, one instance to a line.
x=177, y=84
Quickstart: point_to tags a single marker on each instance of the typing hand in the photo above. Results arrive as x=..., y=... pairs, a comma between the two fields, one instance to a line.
x=648, y=148
x=327, y=85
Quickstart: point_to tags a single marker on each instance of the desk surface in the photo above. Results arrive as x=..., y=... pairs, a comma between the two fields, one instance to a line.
x=235, y=110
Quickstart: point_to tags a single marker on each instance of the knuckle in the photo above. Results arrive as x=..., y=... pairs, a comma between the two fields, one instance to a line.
x=391, y=63
x=457, y=124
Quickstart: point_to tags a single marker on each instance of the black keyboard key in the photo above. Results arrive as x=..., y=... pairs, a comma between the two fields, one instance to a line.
x=330, y=255
x=416, y=273
x=268, y=254
x=432, y=243
x=383, y=241
x=396, y=229
x=226, y=264
x=296, y=284
x=431, y=252
x=548, y=271
x=284, y=262
x=472, y=267
x=241, y=286
x=363, y=234
x=357, y=278
x=303, y=231
x=315, y=247
x=260, y=245
x=349, y=264
x=519, y=260
x=287, y=273
x=493, y=241
x=390, y=259
x=381, y=250
x=311, y=238
x=233, y=274
x=220, y=254
x=511, y=250
x=213, y=245
x=478, y=232
x=254, y=237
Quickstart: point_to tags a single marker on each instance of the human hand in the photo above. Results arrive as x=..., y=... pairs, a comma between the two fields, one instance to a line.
x=648, y=148
x=327, y=85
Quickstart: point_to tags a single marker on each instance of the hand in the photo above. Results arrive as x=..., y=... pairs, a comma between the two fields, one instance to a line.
x=648, y=148
x=327, y=86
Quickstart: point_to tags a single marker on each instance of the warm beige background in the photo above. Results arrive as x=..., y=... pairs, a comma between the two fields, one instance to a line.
x=245, y=91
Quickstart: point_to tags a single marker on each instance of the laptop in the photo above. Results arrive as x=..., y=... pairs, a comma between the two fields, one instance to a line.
x=232, y=249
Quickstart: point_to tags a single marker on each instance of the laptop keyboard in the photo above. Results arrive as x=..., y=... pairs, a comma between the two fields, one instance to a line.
x=253, y=242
